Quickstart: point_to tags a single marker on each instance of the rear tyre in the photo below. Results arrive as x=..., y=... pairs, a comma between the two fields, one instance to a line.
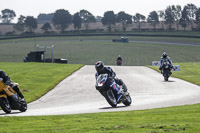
x=5, y=105
x=110, y=97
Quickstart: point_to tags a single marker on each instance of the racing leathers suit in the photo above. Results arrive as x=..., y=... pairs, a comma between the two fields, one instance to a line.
x=112, y=74
x=167, y=59
x=6, y=80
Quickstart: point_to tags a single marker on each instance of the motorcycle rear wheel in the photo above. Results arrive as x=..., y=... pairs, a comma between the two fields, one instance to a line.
x=5, y=105
x=110, y=97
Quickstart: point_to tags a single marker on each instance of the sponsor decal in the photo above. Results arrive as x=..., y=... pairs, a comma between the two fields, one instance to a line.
x=155, y=63
x=176, y=68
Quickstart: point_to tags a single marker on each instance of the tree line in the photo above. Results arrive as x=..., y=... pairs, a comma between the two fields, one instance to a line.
x=187, y=16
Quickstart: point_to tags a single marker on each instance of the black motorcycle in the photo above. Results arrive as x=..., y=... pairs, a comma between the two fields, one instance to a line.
x=107, y=86
x=166, y=70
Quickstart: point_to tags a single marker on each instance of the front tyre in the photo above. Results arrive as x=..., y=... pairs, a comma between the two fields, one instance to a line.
x=4, y=103
x=23, y=107
x=166, y=78
x=128, y=100
x=166, y=75
x=110, y=97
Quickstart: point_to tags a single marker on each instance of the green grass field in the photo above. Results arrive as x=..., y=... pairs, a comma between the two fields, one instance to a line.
x=92, y=49
x=183, y=119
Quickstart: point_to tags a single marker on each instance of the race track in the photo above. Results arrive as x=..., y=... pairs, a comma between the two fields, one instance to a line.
x=77, y=93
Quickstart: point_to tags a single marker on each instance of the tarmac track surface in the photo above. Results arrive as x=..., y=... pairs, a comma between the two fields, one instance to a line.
x=77, y=94
x=169, y=43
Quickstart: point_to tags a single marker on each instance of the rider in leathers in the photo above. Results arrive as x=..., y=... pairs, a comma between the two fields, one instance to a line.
x=107, y=70
x=6, y=80
x=164, y=58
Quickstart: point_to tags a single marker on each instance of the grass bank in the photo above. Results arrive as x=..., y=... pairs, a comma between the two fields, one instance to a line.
x=36, y=79
x=184, y=119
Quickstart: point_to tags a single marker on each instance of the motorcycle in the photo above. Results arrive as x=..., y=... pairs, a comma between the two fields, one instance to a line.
x=166, y=70
x=107, y=86
x=9, y=100
x=119, y=62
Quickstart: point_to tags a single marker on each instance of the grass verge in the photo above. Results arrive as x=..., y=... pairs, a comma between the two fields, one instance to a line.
x=36, y=79
x=184, y=119
x=189, y=71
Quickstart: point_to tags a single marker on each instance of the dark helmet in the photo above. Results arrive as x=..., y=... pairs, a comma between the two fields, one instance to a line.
x=164, y=55
x=99, y=66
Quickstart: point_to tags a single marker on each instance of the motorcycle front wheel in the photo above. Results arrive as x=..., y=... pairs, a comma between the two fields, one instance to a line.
x=166, y=75
x=5, y=105
x=110, y=97
x=23, y=107
x=128, y=100
x=166, y=78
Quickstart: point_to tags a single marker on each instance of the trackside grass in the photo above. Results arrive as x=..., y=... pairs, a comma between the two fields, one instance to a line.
x=183, y=119
x=180, y=119
x=36, y=79
x=189, y=71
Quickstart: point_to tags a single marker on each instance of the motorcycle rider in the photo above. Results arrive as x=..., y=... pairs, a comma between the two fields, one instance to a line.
x=166, y=58
x=7, y=81
x=99, y=66
x=119, y=58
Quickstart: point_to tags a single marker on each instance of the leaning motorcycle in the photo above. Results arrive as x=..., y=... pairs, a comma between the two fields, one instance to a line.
x=106, y=86
x=166, y=70
x=9, y=100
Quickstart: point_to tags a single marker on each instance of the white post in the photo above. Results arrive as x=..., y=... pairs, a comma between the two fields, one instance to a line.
x=52, y=53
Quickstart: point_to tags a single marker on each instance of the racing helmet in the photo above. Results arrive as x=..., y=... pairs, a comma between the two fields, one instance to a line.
x=99, y=66
x=164, y=55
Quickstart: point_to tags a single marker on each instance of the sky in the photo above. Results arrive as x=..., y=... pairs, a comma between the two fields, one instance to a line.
x=96, y=7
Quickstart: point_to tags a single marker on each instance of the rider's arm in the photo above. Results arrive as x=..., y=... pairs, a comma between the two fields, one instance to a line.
x=170, y=61
x=111, y=72
x=161, y=62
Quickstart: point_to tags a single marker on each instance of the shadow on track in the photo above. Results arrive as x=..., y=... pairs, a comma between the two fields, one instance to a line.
x=169, y=81
x=10, y=113
x=114, y=107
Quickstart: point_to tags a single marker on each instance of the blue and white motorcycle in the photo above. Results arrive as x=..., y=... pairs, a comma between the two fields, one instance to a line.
x=166, y=70
x=110, y=90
